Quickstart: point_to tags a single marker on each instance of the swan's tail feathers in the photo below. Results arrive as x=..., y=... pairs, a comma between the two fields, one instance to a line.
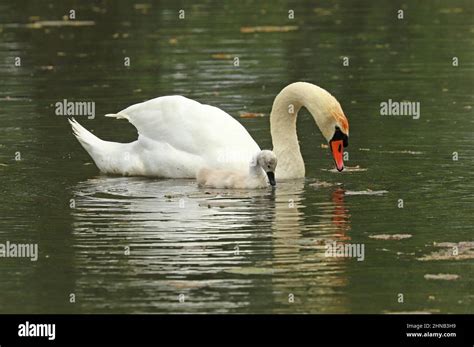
x=110, y=157
x=89, y=141
x=119, y=115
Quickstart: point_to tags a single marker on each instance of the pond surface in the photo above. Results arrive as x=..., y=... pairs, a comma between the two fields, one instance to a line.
x=131, y=245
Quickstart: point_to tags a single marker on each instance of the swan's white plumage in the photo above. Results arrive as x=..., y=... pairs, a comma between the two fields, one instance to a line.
x=177, y=136
x=225, y=179
x=256, y=177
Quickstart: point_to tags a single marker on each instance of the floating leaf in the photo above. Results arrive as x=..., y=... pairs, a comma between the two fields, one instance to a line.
x=47, y=67
x=402, y=152
x=452, y=10
x=445, y=277
x=356, y=168
x=59, y=23
x=390, y=236
x=251, y=115
x=461, y=245
x=143, y=8
x=366, y=192
x=451, y=251
x=268, y=29
x=222, y=56
x=254, y=271
x=323, y=184
x=412, y=312
x=322, y=11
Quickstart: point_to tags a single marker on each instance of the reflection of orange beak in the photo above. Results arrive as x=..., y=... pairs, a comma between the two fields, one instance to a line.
x=336, y=149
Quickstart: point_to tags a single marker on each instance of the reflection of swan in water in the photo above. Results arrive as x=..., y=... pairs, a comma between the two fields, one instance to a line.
x=216, y=247
x=340, y=216
x=299, y=248
x=181, y=239
x=137, y=204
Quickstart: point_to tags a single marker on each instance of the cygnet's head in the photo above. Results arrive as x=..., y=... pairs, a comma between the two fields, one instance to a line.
x=267, y=160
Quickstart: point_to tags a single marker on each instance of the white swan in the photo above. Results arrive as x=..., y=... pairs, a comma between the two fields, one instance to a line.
x=261, y=166
x=178, y=136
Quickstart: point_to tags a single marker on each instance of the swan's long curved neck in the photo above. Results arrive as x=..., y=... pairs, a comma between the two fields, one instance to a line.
x=283, y=124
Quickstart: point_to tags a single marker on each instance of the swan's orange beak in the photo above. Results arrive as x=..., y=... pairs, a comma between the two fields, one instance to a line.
x=336, y=149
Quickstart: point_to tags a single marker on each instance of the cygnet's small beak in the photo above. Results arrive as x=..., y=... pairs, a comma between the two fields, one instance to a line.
x=271, y=178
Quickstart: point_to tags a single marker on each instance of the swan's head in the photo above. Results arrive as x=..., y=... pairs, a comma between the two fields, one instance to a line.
x=336, y=131
x=338, y=142
x=267, y=160
x=329, y=118
x=327, y=113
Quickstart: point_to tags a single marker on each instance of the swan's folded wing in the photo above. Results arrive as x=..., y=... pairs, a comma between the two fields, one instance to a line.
x=188, y=125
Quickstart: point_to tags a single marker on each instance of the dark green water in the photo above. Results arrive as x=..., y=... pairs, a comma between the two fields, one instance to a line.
x=184, y=241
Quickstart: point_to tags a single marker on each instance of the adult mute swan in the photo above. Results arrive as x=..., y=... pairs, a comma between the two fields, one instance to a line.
x=177, y=136
x=261, y=167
